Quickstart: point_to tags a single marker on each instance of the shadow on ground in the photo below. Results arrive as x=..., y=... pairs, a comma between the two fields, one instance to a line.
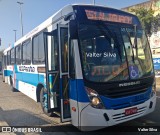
x=20, y=118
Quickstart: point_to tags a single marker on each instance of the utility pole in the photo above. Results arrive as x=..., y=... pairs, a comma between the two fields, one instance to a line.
x=20, y=3
x=93, y=2
x=15, y=34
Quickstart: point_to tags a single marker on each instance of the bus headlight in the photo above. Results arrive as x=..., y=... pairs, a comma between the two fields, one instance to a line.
x=95, y=100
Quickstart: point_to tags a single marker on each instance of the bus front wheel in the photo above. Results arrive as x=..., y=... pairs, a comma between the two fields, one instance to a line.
x=44, y=103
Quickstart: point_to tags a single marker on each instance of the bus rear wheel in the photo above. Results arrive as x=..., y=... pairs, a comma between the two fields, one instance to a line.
x=44, y=103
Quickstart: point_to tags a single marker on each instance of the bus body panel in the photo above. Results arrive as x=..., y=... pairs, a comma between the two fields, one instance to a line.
x=93, y=119
x=77, y=91
x=5, y=76
x=74, y=113
x=27, y=89
x=9, y=73
x=123, y=102
x=27, y=78
x=7, y=69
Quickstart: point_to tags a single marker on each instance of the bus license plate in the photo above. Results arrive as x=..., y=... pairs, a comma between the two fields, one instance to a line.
x=131, y=111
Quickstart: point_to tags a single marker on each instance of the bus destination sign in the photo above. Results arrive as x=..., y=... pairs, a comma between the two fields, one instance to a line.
x=99, y=15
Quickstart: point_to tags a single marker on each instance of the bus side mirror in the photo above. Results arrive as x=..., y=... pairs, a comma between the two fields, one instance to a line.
x=73, y=29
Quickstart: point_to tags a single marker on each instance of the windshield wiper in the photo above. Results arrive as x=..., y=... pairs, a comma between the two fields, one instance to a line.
x=131, y=45
x=135, y=39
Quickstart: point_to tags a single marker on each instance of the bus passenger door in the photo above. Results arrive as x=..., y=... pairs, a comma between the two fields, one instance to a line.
x=52, y=72
x=64, y=72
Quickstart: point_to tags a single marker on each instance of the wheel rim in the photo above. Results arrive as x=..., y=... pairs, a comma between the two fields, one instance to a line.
x=44, y=100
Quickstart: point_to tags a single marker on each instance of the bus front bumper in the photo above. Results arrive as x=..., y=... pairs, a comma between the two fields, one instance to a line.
x=94, y=119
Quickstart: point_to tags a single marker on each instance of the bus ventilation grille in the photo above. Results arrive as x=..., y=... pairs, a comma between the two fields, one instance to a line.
x=122, y=117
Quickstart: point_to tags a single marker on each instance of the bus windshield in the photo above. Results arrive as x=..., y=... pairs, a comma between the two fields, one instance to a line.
x=114, y=52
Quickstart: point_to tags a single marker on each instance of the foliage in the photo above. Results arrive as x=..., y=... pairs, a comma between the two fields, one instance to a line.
x=146, y=17
x=156, y=24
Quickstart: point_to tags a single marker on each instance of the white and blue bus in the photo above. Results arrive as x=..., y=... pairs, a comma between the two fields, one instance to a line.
x=92, y=65
x=7, y=69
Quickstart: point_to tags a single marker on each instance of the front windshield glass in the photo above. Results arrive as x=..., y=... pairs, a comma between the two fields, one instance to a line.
x=138, y=52
x=107, y=50
x=103, y=53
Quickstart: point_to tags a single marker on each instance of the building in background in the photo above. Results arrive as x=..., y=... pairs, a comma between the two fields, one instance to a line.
x=154, y=4
x=154, y=39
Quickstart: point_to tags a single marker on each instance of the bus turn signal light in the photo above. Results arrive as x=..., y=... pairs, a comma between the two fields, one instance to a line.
x=74, y=109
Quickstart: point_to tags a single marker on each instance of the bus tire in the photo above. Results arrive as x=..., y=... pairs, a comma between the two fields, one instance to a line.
x=43, y=101
x=11, y=84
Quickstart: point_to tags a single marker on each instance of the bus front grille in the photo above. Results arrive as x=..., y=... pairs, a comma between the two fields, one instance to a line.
x=122, y=117
x=125, y=92
x=114, y=90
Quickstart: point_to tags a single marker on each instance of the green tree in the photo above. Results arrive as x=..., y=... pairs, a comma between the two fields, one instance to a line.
x=146, y=17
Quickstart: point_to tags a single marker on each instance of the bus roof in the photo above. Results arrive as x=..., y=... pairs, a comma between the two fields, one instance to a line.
x=62, y=12
x=46, y=23
x=7, y=49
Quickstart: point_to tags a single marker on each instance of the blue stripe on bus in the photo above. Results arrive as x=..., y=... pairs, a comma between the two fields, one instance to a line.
x=8, y=72
x=73, y=89
x=29, y=78
x=77, y=91
x=117, y=103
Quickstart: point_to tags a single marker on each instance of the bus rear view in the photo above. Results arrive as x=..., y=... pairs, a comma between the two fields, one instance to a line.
x=117, y=67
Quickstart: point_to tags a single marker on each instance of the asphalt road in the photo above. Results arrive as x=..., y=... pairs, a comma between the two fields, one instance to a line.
x=16, y=109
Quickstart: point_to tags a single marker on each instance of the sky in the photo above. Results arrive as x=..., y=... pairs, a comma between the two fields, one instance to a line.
x=34, y=12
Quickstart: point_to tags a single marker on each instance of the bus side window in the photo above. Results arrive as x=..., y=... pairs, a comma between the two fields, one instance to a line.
x=26, y=54
x=64, y=49
x=38, y=49
x=54, y=51
x=3, y=61
x=12, y=56
x=18, y=54
x=8, y=58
